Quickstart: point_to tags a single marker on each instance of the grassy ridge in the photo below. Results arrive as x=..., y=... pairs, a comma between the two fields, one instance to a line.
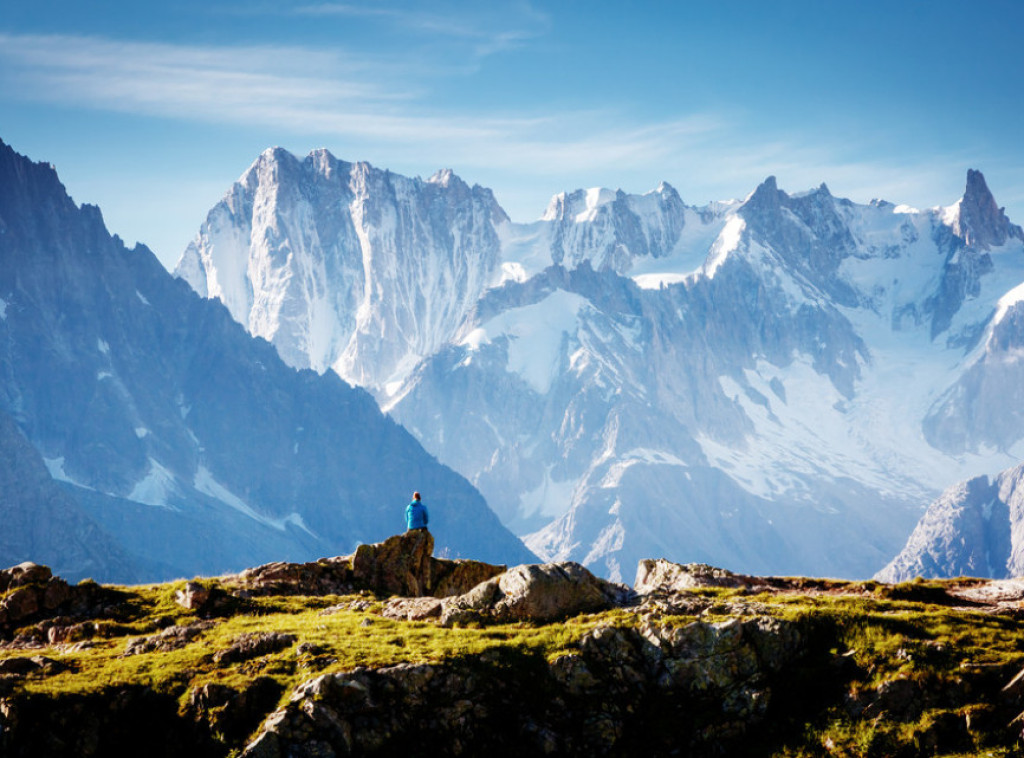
x=895, y=670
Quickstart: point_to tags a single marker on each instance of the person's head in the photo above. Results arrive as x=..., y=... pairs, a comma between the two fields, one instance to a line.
x=415, y=496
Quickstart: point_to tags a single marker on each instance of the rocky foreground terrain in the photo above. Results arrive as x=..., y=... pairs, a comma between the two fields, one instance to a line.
x=393, y=652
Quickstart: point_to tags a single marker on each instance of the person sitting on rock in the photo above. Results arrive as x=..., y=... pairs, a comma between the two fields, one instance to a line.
x=416, y=515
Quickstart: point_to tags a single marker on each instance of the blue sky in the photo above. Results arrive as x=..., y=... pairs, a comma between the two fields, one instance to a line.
x=152, y=110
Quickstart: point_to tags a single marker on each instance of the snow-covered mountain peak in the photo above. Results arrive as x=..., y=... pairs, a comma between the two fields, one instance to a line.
x=759, y=351
x=664, y=188
x=580, y=205
x=320, y=256
x=444, y=177
x=274, y=156
x=820, y=192
x=324, y=163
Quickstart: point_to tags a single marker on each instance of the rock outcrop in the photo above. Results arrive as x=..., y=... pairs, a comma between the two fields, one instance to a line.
x=171, y=638
x=29, y=592
x=400, y=565
x=538, y=593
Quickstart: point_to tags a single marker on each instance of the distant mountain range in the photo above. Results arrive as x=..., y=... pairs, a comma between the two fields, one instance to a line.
x=776, y=385
x=145, y=435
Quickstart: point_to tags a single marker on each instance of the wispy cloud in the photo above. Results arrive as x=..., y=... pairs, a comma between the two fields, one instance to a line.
x=312, y=92
x=159, y=77
x=339, y=96
x=505, y=27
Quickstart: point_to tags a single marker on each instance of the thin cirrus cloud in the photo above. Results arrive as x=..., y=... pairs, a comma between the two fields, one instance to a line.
x=139, y=76
x=313, y=92
x=506, y=29
x=344, y=97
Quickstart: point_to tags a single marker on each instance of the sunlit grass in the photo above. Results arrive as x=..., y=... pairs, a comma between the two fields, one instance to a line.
x=342, y=640
x=882, y=634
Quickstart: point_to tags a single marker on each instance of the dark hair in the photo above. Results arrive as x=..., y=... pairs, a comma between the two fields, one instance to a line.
x=415, y=496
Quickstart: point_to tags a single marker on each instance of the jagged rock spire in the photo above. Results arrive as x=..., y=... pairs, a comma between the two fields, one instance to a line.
x=981, y=222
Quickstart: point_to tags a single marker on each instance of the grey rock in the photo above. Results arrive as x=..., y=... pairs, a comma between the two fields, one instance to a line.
x=193, y=597
x=171, y=638
x=534, y=592
x=253, y=645
x=665, y=577
x=400, y=565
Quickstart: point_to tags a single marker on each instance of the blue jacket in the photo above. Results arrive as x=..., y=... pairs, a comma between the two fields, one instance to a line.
x=415, y=515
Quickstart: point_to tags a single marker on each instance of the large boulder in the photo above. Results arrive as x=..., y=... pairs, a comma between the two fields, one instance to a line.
x=23, y=574
x=533, y=592
x=398, y=566
x=451, y=578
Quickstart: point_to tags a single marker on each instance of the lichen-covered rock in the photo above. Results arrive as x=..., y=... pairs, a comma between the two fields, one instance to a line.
x=31, y=594
x=413, y=608
x=324, y=577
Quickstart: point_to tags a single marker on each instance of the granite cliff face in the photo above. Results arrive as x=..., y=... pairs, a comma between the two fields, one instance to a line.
x=170, y=432
x=775, y=384
x=341, y=265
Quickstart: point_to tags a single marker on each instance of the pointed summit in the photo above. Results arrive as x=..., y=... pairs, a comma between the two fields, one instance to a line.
x=442, y=176
x=667, y=191
x=448, y=179
x=979, y=220
x=767, y=198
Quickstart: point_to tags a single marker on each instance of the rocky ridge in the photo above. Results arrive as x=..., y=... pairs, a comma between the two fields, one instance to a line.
x=542, y=659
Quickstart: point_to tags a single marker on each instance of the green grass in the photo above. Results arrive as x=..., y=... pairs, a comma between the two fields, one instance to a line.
x=346, y=639
x=879, y=634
